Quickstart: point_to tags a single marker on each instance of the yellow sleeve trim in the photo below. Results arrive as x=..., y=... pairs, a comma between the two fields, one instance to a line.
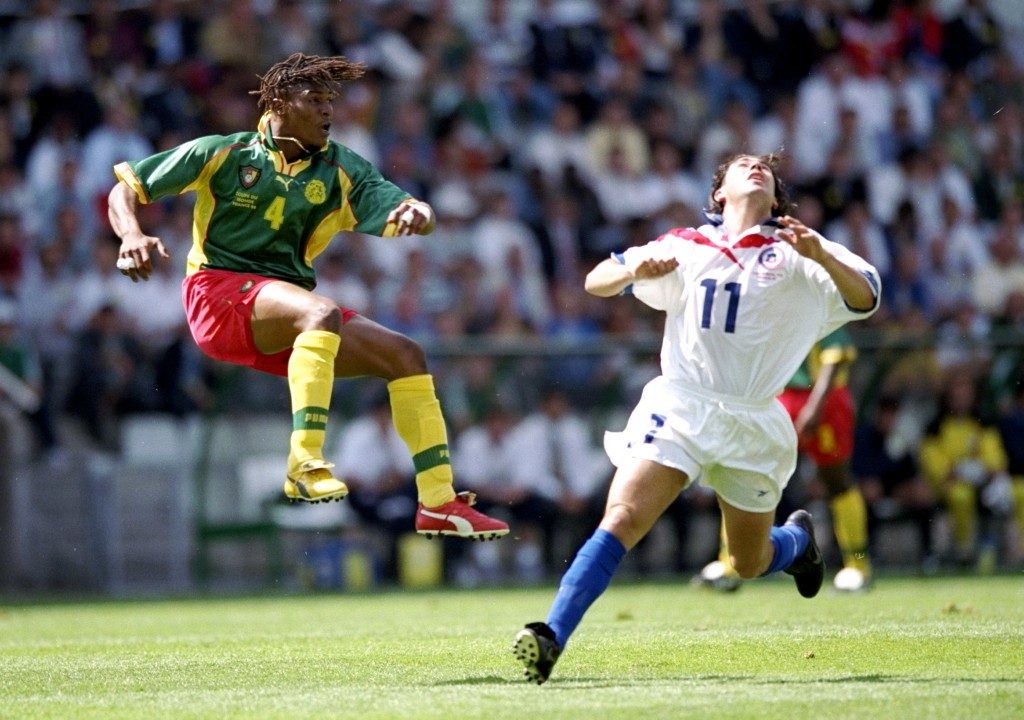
x=124, y=173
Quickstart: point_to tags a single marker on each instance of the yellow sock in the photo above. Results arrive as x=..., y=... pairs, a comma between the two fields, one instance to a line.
x=1018, y=503
x=311, y=381
x=418, y=420
x=850, y=522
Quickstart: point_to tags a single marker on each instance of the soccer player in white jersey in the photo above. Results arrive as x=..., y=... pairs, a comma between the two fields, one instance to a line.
x=746, y=296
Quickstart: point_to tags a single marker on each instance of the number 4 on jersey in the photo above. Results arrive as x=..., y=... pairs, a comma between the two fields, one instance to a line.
x=275, y=213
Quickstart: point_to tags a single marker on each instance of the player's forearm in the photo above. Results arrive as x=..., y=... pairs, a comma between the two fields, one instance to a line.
x=826, y=379
x=122, y=207
x=608, y=278
x=853, y=286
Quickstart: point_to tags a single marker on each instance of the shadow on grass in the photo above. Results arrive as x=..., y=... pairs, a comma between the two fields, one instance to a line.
x=577, y=683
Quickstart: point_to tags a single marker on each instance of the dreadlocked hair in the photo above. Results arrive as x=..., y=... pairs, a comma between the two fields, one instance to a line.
x=784, y=205
x=299, y=69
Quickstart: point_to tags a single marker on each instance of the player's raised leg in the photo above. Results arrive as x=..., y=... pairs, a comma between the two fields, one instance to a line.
x=372, y=349
x=757, y=548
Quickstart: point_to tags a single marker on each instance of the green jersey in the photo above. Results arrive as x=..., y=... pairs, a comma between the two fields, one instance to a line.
x=258, y=213
x=834, y=348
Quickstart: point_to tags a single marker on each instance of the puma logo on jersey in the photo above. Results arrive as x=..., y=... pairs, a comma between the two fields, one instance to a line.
x=286, y=181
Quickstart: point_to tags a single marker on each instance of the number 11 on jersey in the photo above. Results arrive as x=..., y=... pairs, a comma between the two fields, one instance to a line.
x=710, y=285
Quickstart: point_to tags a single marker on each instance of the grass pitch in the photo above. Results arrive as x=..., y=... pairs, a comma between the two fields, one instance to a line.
x=909, y=648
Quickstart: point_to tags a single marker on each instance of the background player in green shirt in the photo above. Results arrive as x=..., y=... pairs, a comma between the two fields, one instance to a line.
x=822, y=408
x=267, y=203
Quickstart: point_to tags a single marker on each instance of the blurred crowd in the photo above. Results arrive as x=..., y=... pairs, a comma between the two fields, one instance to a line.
x=546, y=134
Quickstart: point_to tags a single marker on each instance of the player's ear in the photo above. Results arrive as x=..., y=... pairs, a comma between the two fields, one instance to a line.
x=278, y=106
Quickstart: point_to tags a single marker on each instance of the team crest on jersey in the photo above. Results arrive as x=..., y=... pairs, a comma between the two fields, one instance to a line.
x=316, y=192
x=770, y=258
x=248, y=176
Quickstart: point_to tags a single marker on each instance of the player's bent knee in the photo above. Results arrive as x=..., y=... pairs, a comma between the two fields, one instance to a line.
x=623, y=522
x=322, y=314
x=392, y=356
x=407, y=356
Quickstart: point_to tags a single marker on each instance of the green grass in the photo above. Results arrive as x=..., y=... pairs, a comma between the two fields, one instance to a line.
x=936, y=649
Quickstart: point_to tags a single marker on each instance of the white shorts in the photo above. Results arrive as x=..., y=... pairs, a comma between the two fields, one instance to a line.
x=744, y=451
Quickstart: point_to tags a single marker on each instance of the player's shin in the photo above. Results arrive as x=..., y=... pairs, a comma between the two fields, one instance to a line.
x=311, y=381
x=419, y=422
x=585, y=580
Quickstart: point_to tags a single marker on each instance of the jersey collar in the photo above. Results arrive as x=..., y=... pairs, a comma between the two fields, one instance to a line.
x=281, y=163
x=716, y=220
x=765, y=230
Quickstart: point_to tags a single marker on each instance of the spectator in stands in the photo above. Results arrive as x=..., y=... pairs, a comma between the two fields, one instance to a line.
x=821, y=96
x=234, y=35
x=22, y=391
x=1001, y=183
x=507, y=251
x=971, y=37
x=856, y=230
x=487, y=458
x=964, y=460
x=51, y=44
x=683, y=95
x=172, y=34
x=616, y=131
x=18, y=114
x=110, y=379
x=382, y=481
x=557, y=144
x=1002, y=274
x=562, y=237
x=118, y=138
x=1011, y=429
x=884, y=464
x=557, y=460
x=115, y=40
x=17, y=201
x=12, y=253
x=954, y=256
x=669, y=182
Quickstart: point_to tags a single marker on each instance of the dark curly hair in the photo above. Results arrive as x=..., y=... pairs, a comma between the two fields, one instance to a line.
x=783, y=204
x=299, y=69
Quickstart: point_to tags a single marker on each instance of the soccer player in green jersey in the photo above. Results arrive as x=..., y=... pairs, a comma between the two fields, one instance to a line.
x=267, y=203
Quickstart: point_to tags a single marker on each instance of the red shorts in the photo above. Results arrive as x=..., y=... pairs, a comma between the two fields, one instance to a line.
x=218, y=305
x=833, y=442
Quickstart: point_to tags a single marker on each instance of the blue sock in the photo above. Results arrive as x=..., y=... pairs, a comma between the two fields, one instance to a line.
x=789, y=541
x=584, y=581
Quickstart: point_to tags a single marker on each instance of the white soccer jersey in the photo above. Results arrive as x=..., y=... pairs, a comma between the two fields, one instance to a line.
x=742, y=313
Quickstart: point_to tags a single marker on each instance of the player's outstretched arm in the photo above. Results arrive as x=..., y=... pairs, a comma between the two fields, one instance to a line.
x=134, y=258
x=852, y=285
x=610, y=277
